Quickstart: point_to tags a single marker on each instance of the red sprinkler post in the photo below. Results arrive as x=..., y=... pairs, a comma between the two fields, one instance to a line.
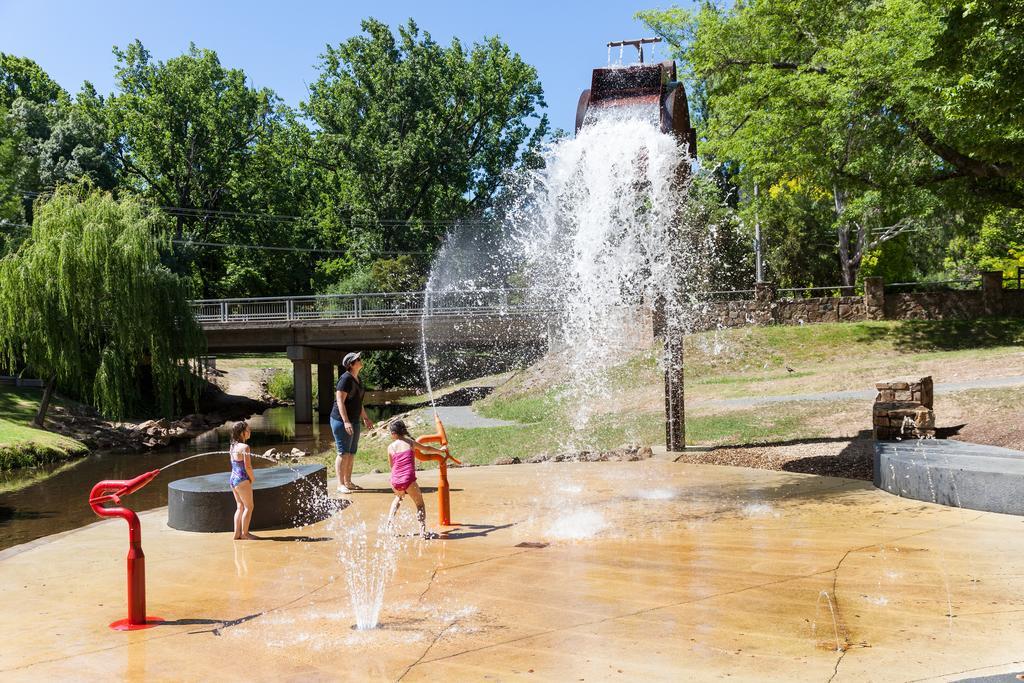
x=443, y=499
x=111, y=491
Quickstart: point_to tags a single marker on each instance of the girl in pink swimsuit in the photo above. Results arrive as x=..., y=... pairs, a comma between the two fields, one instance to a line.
x=401, y=455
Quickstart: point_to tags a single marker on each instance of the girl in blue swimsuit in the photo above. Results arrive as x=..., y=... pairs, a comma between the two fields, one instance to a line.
x=241, y=480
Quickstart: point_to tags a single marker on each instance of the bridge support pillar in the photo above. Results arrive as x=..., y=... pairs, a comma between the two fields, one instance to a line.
x=325, y=389
x=303, y=373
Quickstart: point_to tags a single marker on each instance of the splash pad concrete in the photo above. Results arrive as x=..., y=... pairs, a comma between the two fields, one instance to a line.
x=651, y=570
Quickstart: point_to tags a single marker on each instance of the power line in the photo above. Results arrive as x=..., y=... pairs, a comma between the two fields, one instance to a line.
x=263, y=247
x=193, y=212
x=307, y=250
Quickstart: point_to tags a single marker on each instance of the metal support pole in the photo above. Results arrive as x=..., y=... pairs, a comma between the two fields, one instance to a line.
x=758, y=263
x=675, y=414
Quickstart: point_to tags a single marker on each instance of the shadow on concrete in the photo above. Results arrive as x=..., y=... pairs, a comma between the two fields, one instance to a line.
x=473, y=531
x=297, y=539
x=950, y=335
x=948, y=432
x=854, y=461
x=423, y=489
x=221, y=624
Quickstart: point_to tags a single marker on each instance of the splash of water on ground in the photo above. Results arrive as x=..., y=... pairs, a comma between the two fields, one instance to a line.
x=577, y=525
x=657, y=494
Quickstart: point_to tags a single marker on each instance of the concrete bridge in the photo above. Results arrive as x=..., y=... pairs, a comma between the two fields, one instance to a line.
x=321, y=329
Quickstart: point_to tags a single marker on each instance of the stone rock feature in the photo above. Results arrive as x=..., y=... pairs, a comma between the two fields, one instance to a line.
x=903, y=409
x=285, y=497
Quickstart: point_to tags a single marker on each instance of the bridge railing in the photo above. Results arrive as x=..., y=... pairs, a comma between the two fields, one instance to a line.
x=355, y=306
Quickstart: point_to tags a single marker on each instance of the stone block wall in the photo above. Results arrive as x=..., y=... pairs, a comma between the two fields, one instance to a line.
x=903, y=409
x=765, y=308
x=933, y=305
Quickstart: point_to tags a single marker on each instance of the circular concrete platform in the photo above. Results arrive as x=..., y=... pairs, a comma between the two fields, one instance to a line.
x=954, y=473
x=283, y=497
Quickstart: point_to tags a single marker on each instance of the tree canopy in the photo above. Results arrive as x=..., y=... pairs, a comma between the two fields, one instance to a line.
x=902, y=115
x=411, y=134
x=86, y=301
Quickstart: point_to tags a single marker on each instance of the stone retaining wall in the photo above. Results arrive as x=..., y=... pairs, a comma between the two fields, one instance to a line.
x=876, y=304
x=933, y=305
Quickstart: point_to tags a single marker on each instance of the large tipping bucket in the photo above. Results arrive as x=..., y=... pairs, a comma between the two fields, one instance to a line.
x=651, y=86
x=645, y=85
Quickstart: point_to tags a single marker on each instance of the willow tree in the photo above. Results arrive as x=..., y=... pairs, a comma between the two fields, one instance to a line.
x=86, y=302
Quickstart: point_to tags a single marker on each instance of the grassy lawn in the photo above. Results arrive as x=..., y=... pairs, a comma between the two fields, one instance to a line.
x=22, y=445
x=742, y=362
x=254, y=361
x=842, y=356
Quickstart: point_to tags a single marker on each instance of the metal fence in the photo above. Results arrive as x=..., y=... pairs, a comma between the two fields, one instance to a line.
x=362, y=306
x=962, y=284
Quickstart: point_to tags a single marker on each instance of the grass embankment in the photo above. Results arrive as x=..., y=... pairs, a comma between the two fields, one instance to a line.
x=749, y=362
x=842, y=356
x=22, y=445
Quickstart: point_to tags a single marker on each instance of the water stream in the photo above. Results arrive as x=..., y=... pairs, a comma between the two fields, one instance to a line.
x=48, y=500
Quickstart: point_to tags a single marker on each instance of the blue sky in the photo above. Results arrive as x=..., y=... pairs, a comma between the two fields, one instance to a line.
x=277, y=43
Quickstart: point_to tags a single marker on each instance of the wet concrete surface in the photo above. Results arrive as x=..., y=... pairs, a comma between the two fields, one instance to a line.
x=652, y=570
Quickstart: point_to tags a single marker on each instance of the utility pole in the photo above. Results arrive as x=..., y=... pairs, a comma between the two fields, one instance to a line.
x=758, y=264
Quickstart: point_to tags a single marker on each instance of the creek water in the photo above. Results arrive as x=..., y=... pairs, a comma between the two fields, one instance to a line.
x=48, y=500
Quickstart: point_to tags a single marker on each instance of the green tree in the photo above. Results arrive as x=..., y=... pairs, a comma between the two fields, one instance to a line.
x=274, y=186
x=10, y=196
x=186, y=130
x=86, y=302
x=22, y=77
x=897, y=109
x=410, y=134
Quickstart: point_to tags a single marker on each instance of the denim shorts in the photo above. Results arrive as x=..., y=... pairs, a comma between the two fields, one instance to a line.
x=343, y=441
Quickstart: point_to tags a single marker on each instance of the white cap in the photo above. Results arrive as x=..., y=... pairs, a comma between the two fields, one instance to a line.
x=350, y=358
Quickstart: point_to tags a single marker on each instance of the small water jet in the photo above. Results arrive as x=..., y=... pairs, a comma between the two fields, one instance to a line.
x=368, y=568
x=840, y=645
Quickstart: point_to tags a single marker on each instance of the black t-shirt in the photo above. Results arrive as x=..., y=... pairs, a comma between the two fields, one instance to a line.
x=353, y=389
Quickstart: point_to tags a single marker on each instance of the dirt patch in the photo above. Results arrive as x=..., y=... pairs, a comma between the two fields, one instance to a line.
x=851, y=459
x=994, y=417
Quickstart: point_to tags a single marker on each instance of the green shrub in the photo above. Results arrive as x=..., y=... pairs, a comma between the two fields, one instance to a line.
x=281, y=385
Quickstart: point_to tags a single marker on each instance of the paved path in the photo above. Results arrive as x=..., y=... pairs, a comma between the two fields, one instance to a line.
x=466, y=417
x=867, y=394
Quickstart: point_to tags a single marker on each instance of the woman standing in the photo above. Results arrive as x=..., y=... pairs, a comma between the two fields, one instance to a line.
x=346, y=416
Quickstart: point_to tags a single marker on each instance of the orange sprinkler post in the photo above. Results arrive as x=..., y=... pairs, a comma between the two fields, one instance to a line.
x=443, y=498
x=111, y=491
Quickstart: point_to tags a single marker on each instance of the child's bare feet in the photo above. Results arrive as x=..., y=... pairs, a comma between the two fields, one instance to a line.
x=250, y=537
